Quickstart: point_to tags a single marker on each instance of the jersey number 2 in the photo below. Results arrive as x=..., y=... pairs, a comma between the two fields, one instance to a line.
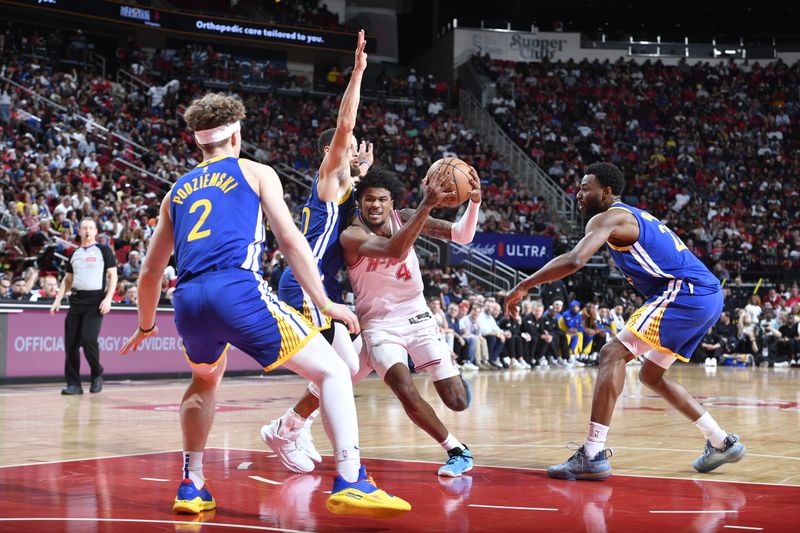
x=196, y=233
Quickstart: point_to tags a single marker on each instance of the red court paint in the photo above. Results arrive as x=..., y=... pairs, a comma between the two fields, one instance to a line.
x=485, y=499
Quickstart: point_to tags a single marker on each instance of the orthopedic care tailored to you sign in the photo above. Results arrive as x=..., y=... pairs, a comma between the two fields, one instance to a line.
x=195, y=24
x=515, y=45
x=34, y=346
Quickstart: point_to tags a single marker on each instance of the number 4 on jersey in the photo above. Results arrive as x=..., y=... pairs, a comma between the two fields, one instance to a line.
x=403, y=273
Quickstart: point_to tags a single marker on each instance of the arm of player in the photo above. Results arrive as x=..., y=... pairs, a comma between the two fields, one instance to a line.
x=356, y=241
x=598, y=230
x=336, y=165
x=66, y=285
x=462, y=231
x=149, y=285
x=295, y=247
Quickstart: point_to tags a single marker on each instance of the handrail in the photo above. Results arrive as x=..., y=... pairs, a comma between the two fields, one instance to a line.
x=78, y=115
x=522, y=166
x=99, y=60
x=143, y=171
x=123, y=76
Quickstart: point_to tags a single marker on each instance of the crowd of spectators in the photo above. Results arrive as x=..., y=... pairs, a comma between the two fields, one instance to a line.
x=108, y=150
x=712, y=150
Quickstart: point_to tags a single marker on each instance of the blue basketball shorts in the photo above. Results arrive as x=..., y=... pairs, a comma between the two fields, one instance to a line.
x=237, y=306
x=675, y=321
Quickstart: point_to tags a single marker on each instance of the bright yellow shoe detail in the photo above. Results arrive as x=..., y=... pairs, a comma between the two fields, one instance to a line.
x=192, y=500
x=364, y=498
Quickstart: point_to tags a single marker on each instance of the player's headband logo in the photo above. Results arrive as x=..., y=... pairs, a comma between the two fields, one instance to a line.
x=214, y=135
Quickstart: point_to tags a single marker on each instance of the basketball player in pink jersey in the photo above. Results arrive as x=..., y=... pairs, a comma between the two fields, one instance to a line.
x=396, y=322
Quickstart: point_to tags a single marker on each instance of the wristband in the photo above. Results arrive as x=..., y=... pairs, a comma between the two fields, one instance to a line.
x=327, y=307
x=365, y=163
x=147, y=332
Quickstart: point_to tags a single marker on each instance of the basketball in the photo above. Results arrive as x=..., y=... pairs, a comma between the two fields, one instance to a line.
x=458, y=170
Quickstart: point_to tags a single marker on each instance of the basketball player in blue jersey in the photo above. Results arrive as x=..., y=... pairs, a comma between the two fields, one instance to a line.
x=328, y=211
x=213, y=219
x=683, y=300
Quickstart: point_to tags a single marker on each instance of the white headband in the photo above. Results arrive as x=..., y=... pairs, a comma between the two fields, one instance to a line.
x=214, y=135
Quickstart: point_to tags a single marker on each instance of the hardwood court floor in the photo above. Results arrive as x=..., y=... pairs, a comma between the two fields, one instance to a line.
x=106, y=462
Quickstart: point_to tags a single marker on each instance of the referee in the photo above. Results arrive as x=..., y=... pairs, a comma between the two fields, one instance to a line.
x=92, y=276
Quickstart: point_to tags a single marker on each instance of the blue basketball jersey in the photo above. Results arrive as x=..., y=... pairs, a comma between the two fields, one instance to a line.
x=659, y=256
x=217, y=220
x=322, y=223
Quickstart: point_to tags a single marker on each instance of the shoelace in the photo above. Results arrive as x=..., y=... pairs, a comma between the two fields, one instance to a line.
x=574, y=446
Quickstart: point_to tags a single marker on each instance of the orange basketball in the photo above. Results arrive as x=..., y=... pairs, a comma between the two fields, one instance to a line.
x=458, y=171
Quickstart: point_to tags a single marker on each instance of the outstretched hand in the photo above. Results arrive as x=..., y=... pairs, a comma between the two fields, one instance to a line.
x=475, y=185
x=341, y=312
x=136, y=338
x=512, y=301
x=361, y=56
x=365, y=153
x=435, y=191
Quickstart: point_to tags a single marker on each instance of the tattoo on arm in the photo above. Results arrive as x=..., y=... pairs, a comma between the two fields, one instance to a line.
x=434, y=227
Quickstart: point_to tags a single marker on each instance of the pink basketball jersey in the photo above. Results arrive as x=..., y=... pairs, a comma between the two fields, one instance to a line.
x=387, y=289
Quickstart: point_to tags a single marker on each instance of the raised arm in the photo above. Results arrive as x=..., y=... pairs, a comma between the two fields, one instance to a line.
x=336, y=165
x=295, y=247
x=598, y=231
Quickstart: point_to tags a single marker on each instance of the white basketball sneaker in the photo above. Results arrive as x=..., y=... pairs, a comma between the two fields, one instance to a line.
x=306, y=442
x=289, y=449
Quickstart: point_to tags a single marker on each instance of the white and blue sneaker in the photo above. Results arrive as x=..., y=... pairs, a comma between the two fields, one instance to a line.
x=732, y=452
x=460, y=461
x=580, y=466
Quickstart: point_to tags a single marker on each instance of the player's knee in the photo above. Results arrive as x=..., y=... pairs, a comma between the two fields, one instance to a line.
x=207, y=375
x=454, y=392
x=457, y=403
x=650, y=377
x=612, y=353
x=408, y=395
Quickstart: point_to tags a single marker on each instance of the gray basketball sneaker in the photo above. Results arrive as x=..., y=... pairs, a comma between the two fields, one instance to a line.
x=732, y=452
x=579, y=466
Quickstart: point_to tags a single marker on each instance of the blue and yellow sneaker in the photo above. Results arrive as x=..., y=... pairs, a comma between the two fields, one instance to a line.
x=460, y=461
x=364, y=498
x=579, y=466
x=192, y=500
x=732, y=452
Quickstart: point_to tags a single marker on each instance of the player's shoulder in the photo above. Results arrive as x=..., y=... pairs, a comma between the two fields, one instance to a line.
x=610, y=217
x=355, y=230
x=254, y=166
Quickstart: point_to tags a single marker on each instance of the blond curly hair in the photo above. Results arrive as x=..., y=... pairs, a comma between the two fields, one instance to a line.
x=212, y=110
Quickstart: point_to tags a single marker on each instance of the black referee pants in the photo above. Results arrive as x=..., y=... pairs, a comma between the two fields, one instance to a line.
x=81, y=330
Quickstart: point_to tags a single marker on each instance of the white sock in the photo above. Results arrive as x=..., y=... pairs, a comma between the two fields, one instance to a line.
x=711, y=430
x=193, y=468
x=317, y=362
x=595, y=440
x=310, y=418
x=290, y=421
x=451, y=442
x=348, y=463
